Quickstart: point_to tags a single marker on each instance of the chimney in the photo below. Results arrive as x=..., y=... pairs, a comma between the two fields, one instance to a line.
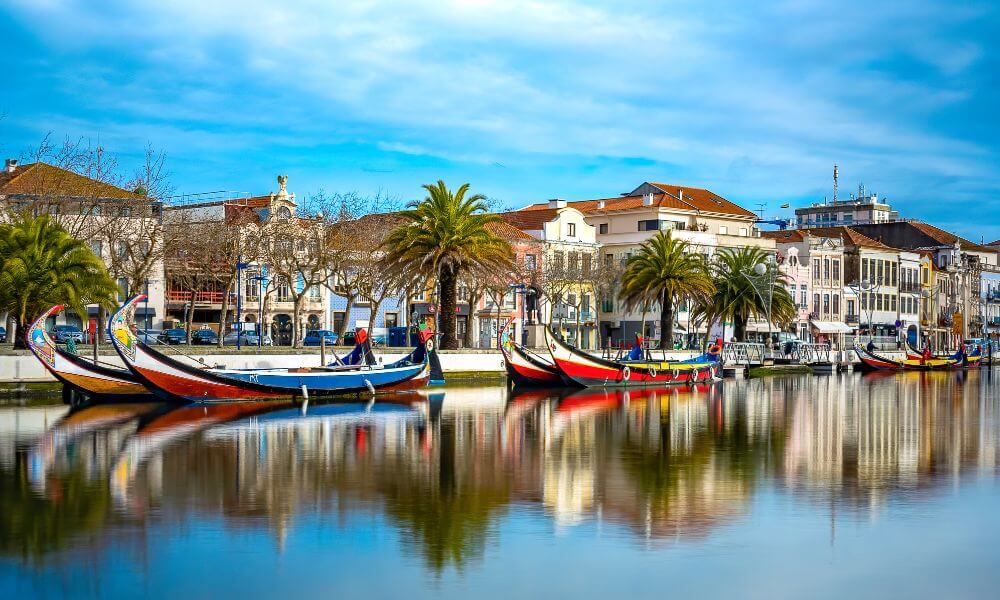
x=647, y=200
x=557, y=203
x=600, y=205
x=680, y=195
x=10, y=165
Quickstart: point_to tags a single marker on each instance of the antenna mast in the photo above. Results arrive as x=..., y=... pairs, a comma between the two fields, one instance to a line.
x=835, y=183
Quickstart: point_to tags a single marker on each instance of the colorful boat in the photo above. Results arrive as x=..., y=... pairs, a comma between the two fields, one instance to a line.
x=588, y=370
x=961, y=358
x=93, y=381
x=877, y=362
x=170, y=378
x=525, y=368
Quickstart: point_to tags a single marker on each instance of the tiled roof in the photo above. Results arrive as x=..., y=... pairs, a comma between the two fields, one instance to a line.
x=996, y=243
x=786, y=236
x=693, y=199
x=509, y=232
x=37, y=179
x=943, y=237
x=849, y=236
x=529, y=220
x=702, y=199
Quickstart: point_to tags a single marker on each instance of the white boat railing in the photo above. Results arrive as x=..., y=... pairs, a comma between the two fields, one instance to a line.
x=743, y=353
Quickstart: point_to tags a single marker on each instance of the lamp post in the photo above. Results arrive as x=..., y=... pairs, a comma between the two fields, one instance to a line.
x=263, y=281
x=240, y=265
x=762, y=278
x=868, y=305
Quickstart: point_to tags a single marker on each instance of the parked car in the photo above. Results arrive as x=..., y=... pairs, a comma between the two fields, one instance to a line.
x=3, y=335
x=313, y=337
x=64, y=333
x=174, y=336
x=151, y=337
x=204, y=337
x=249, y=339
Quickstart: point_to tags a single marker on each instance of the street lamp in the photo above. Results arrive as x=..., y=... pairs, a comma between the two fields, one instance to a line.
x=762, y=278
x=240, y=265
x=867, y=287
x=263, y=281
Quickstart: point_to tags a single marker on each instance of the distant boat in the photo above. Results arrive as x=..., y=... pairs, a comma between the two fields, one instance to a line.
x=877, y=362
x=526, y=368
x=588, y=370
x=94, y=381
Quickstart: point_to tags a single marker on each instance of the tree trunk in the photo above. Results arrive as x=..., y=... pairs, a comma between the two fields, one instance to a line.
x=187, y=322
x=20, y=342
x=448, y=286
x=469, y=329
x=342, y=328
x=224, y=313
x=373, y=309
x=666, y=322
x=740, y=328
x=296, y=326
x=100, y=331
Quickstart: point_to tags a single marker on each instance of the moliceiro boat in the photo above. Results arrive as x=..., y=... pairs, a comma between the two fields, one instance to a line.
x=169, y=377
x=588, y=370
x=79, y=376
x=876, y=362
x=960, y=358
x=526, y=368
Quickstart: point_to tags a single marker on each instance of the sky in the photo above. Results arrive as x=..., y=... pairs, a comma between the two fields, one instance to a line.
x=527, y=100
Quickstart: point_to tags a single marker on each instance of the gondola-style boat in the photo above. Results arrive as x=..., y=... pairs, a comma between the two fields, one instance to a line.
x=525, y=368
x=876, y=362
x=961, y=358
x=173, y=379
x=588, y=370
x=83, y=378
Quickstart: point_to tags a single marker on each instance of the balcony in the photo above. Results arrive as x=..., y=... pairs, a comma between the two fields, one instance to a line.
x=851, y=319
x=909, y=288
x=183, y=297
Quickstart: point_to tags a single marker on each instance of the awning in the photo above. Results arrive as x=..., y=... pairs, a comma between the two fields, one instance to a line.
x=763, y=327
x=142, y=312
x=832, y=327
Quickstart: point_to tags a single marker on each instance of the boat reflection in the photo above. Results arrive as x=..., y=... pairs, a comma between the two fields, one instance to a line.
x=445, y=469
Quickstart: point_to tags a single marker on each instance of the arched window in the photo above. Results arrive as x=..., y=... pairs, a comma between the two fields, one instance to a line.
x=284, y=213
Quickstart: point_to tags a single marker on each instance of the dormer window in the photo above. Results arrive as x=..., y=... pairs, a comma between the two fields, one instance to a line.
x=284, y=214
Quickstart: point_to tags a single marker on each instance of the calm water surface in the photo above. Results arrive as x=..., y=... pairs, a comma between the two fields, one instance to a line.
x=868, y=486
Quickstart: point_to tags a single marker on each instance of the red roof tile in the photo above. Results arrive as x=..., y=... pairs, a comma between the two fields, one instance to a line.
x=37, y=179
x=945, y=238
x=508, y=232
x=692, y=199
x=785, y=236
x=849, y=236
x=529, y=220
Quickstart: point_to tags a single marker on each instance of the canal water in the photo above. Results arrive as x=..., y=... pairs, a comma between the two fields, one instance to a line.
x=798, y=486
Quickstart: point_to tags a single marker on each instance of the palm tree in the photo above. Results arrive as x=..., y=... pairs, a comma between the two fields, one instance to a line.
x=663, y=272
x=735, y=298
x=43, y=265
x=444, y=236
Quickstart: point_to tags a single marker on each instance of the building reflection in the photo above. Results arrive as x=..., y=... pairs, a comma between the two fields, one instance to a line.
x=446, y=468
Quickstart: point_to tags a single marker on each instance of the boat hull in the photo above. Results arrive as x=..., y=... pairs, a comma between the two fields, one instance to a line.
x=171, y=378
x=95, y=382
x=876, y=362
x=591, y=371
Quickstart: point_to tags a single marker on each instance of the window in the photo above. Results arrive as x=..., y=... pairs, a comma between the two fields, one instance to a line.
x=850, y=307
x=793, y=261
x=864, y=269
x=284, y=292
x=816, y=303
x=284, y=214
x=836, y=304
x=609, y=259
x=586, y=264
x=574, y=262
x=826, y=304
x=557, y=260
x=315, y=293
x=122, y=249
x=674, y=225
x=391, y=319
x=602, y=228
x=122, y=289
x=743, y=231
x=571, y=229
x=826, y=268
x=251, y=288
x=895, y=269
x=893, y=303
x=836, y=269
x=530, y=262
x=649, y=225
x=723, y=230
x=96, y=248
x=462, y=294
x=338, y=320
x=803, y=300
x=126, y=211
x=816, y=269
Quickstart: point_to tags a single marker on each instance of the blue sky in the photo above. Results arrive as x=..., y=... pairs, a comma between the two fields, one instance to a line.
x=527, y=100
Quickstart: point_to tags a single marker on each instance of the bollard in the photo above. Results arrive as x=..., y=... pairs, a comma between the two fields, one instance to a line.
x=322, y=350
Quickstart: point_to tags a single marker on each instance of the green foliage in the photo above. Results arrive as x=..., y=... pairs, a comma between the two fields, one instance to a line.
x=735, y=298
x=42, y=265
x=444, y=235
x=664, y=272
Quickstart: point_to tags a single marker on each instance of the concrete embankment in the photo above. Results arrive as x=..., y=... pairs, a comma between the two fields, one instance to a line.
x=20, y=366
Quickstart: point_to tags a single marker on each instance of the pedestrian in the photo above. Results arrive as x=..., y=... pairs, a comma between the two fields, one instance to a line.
x=871, y=346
